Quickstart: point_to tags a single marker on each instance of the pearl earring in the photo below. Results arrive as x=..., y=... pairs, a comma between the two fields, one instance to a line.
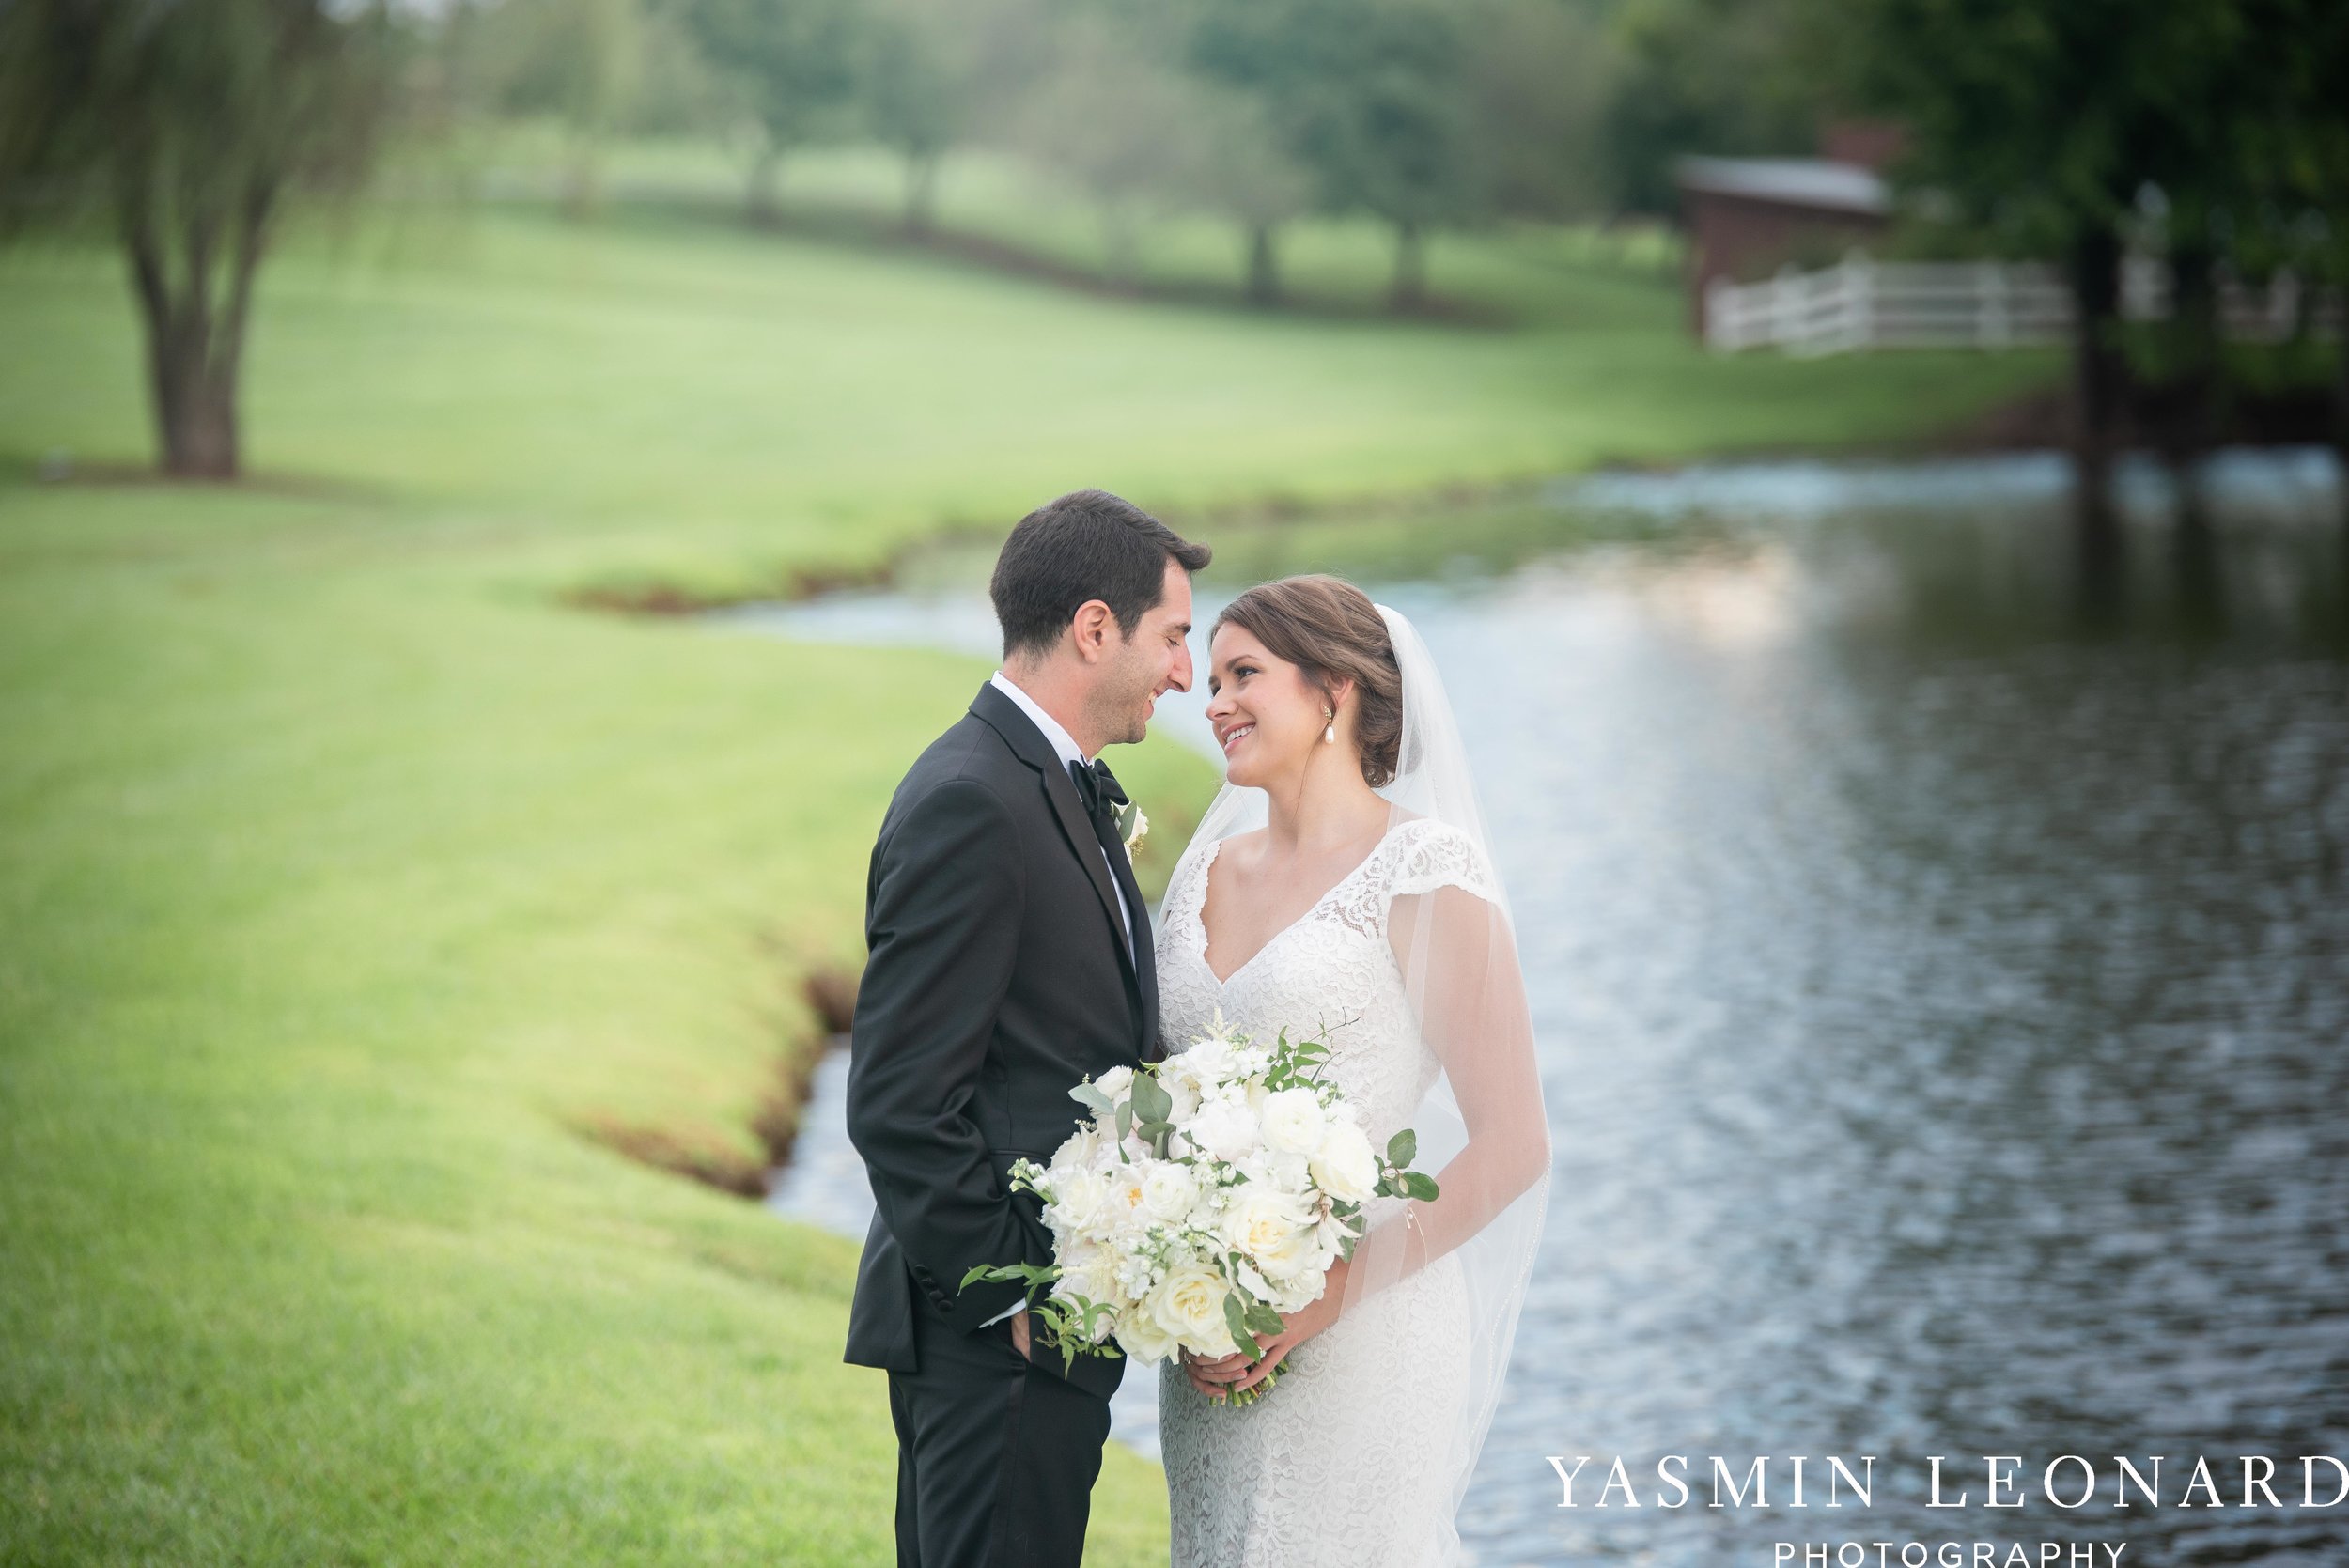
x=1330, y=730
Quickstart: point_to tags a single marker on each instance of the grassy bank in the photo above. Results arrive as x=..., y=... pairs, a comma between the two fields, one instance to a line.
x=344, y=872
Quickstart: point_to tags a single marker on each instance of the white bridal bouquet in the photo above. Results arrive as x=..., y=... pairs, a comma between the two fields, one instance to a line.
x=1208, y=1195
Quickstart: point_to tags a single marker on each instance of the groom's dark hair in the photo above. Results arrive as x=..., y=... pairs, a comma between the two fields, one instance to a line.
x=1087, y=545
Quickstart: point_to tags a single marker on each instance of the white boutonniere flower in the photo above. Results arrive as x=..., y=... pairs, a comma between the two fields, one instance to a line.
x=1132, y=826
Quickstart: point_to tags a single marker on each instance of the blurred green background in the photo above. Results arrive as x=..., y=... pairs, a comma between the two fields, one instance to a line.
x=372, y=885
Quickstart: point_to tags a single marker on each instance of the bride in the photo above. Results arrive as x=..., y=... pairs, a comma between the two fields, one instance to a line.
x=1342, y=881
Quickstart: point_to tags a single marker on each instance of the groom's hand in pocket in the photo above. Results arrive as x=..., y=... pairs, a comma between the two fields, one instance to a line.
x=1019, y=1334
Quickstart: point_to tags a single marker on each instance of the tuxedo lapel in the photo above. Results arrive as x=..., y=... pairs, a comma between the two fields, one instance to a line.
x=1027, y=744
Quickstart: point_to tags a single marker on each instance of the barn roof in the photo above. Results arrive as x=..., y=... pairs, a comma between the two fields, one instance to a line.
x=1814, y=182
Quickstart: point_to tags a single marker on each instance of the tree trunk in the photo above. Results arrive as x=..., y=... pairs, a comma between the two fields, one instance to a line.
x=921, y=194
x=2095, y=260
x=194, y=356
x=2341, y=402
x=2193, y=427
x=762, y=201
x=583, y=180
x=1411, y=267
x=1264, y=273
x=197, y=413
x=1120, y=252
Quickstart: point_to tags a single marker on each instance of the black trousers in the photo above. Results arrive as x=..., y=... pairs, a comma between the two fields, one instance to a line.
x=996, y=1457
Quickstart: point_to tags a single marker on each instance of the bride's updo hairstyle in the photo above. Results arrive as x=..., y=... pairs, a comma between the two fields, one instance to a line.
x=1328, y=629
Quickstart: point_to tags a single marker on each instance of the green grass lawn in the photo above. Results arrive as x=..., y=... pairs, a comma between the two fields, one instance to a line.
x=344, y=872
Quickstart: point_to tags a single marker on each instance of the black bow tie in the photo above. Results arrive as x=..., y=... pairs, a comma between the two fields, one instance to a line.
x=1098, y=788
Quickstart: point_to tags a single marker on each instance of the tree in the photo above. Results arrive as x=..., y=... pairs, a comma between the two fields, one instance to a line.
x=932, y=71
x=1701, y=76
x=1122, y=126
x=1538, y=82
x=187, y=130
x=2043, y=121
x=2297, y=155
x=1243, y=173
x=1366, y=96
x=583, y=60
x=794, y=66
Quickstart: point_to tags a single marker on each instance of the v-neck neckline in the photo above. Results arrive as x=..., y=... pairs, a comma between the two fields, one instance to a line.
x=1199, y=914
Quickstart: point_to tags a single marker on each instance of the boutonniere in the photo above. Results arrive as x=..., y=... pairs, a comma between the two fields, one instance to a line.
x=1132, y=826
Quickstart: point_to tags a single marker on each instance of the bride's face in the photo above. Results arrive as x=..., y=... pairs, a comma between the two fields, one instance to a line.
x=1267, y=715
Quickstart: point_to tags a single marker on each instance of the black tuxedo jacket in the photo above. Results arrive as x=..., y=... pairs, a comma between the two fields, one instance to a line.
x=998, y=977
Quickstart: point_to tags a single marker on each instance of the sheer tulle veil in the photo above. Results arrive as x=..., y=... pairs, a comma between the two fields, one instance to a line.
x=1481, y=1126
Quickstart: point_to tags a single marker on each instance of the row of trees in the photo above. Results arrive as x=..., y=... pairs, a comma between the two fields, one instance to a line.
x=185, y=128
x=1421, y=114
x=2042, y=127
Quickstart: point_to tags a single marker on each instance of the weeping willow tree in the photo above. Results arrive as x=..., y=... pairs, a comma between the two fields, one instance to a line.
x=184, y=130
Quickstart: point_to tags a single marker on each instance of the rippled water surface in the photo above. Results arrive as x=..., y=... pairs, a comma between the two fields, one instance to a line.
x=1943, y=988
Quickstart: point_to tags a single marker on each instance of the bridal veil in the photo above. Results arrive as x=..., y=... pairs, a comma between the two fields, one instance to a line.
x=1481, y=1126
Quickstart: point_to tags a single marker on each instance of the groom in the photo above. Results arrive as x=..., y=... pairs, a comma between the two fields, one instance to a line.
x=1010, y=957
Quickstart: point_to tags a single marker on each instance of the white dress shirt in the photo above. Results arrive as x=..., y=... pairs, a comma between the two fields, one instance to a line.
x=1067, y=748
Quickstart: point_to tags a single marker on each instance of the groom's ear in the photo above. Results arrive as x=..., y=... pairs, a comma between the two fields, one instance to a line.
x=1091, y=628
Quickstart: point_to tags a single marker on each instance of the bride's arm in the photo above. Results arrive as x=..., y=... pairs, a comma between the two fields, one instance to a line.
x=1460, y=968
x=1460, y=964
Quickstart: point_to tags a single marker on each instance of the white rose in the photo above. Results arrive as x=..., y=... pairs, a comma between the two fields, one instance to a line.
x=1271, y=1230
x=1139, y=1336
x=1342, y=1166
x=1293, y=1122
x=1168, y=1191
x=1078, y=1202
x=1189, y=1306
x=1116, y=1083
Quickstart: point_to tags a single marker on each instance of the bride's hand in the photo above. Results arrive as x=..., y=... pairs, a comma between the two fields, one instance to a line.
x=1196, y=1370
x=1228, y=1374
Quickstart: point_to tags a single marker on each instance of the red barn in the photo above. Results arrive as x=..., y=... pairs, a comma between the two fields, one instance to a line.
x=1747, y=215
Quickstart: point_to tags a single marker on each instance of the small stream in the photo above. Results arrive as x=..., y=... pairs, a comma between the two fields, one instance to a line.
x=1943, y=992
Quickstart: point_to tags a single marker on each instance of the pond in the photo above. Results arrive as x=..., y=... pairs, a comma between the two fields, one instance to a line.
x=1943, y=983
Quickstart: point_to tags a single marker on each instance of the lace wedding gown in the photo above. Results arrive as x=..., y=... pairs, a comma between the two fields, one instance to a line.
x=1331, y=1466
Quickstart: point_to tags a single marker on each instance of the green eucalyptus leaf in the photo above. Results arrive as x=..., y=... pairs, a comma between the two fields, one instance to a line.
x=1150, y=1100
x=1402, y=1146
x=1420, y=1185
x=1237, y=1320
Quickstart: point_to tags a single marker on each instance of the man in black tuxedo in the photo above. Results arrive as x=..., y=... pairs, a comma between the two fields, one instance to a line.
x=1010, y=957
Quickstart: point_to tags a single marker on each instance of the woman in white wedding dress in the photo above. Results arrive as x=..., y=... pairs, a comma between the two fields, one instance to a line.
x=1341, y=880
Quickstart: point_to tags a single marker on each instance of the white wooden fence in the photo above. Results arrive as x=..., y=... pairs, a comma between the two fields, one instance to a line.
x=1865, y=304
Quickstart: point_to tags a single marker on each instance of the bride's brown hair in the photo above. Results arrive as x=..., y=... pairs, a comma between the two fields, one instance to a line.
x=1328, y=629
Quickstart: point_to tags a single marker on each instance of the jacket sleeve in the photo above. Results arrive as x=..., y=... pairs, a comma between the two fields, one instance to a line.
x=943, y=930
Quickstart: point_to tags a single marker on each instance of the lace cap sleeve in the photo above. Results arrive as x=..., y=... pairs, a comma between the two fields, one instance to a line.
x=1430, y=855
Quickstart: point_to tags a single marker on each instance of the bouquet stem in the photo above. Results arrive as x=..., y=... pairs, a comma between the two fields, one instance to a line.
x=1248, y=1396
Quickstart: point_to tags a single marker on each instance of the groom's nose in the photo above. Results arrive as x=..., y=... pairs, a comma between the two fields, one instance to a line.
x=1179, y=676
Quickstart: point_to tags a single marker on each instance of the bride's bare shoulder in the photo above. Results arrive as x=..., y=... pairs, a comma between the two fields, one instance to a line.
x=1242, y=852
